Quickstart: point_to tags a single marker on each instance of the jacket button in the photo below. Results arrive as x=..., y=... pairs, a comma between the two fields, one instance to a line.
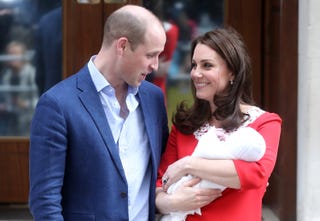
x=123, y=195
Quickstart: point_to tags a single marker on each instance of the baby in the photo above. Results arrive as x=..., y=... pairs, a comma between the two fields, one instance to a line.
x=243, y=144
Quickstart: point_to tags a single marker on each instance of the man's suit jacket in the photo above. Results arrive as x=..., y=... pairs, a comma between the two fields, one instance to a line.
x=75, y=169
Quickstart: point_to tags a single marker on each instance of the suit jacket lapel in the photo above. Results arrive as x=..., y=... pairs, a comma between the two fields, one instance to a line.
x=91, y=101
x=149, y=119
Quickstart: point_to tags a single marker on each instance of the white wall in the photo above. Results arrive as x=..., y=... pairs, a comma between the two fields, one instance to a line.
x=308, y=183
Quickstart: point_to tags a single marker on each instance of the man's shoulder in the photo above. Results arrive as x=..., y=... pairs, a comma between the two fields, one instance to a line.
x=148, y=87
x=63, y=89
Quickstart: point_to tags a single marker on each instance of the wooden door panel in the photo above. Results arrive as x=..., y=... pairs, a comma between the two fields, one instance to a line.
x=108, y=8
x=244, y=16
x=270, y=31
x=82, y=34
x=280, y=95
x=14, y=167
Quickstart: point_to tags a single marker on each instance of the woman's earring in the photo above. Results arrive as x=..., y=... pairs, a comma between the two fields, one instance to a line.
x=231, y=82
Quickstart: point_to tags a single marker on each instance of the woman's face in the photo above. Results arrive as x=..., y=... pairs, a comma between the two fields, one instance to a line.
x=209, y=73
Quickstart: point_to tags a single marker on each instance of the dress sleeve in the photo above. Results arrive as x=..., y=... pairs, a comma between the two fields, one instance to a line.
x=255, y=174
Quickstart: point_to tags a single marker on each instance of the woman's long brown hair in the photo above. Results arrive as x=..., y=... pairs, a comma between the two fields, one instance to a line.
x=229, y=45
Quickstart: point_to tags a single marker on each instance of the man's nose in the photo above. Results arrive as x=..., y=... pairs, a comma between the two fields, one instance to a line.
x=155, y=64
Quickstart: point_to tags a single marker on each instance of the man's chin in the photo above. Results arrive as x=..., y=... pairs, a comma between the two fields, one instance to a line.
x=136, y=84
x=143, y=77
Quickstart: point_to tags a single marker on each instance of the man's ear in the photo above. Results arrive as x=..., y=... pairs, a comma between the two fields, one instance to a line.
x=122, y=45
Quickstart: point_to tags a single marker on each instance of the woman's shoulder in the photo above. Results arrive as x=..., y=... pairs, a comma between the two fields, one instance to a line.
x=257, y=115
x=251, y=113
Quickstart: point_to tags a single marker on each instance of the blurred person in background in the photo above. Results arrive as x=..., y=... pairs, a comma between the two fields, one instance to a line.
x=21, y=96
x=160, y=76
x=49, y=50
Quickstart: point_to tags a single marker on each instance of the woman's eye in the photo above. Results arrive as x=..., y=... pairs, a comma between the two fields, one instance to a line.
x=207, y=65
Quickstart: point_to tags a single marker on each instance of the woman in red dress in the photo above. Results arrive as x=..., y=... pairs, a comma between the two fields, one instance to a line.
x=221, y=76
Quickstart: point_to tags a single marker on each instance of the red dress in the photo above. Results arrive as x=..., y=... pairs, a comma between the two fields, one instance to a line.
x=235, y=204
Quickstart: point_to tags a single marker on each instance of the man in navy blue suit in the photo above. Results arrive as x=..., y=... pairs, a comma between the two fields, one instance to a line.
x=97, y=136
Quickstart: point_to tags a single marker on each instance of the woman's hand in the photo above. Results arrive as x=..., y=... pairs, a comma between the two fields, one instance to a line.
x=222, y=172
x=174, y=172
x=186, y=197
x=190, y=198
